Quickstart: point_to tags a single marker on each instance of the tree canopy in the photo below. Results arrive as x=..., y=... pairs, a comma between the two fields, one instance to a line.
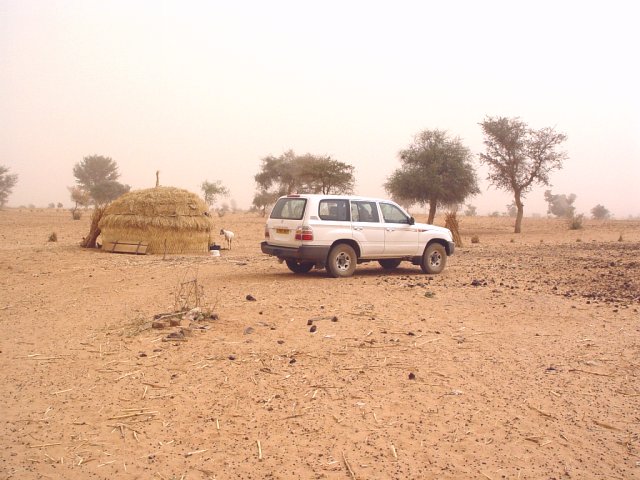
x=599, y=212
x=7, y=182
x=519, y=157
x=307, y=173
x=212, y=190
x=98, y=176
x=435, y=170
x=262, y=200
x=560, y=205
x=80, y=197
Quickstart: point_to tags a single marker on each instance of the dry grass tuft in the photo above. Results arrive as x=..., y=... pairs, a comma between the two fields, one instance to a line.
x=451, y=222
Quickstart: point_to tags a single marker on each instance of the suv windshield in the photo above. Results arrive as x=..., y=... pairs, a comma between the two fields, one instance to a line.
x=289, y=208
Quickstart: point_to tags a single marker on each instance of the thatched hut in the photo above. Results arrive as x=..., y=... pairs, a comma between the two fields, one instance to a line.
x=168, y=219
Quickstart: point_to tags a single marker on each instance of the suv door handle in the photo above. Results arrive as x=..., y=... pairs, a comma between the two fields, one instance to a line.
x=390, y=229
x=357, y=228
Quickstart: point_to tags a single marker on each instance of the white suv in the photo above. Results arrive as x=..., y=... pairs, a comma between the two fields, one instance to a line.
x=337, y=232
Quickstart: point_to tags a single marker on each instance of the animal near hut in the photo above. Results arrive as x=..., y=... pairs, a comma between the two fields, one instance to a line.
x=162, y=219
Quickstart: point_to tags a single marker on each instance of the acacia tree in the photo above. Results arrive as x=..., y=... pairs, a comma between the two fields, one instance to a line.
x=98, y=176
x=263, y=199
x=519, y=157
x=211, y=191
x=289, y=173
x=324, y=175
x=7, y=182
x=435, y=170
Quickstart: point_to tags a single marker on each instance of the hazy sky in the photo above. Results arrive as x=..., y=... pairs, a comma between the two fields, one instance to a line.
x=204, y=90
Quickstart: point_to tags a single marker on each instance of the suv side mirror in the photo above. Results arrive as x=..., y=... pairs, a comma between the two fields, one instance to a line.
x=412, y=220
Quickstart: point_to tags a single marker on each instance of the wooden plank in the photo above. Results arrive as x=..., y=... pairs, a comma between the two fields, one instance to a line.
x=139, y=248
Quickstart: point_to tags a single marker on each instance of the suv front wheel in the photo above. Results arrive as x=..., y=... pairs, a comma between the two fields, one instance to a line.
x=341, y=261
x=434, y=259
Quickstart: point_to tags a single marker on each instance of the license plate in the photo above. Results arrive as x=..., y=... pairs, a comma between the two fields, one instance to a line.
x=282, y=230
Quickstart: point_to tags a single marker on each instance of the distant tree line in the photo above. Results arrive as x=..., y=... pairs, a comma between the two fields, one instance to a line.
x=435, y=170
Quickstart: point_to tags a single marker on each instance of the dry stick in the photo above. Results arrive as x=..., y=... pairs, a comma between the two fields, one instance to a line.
x=393, y=450
x=259, y=450
x=628, y=394
x=44, y=445
x=154, y=385
x=127, y=374
x=545, y=414
x=129, y=415
x=188, y=454
x=592, y=373
x=346, y=462
x=426, y=341
x=606, y=425
x=62, y=391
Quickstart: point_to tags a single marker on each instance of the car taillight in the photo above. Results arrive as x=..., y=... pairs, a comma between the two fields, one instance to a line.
x=266, y=231
x=304, y=233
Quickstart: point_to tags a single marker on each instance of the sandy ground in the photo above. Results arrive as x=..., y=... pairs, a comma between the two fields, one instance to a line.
x=521, y=361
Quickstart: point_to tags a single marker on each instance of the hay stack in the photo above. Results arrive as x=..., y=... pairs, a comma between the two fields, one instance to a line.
x=451, y=222
x=170, y=220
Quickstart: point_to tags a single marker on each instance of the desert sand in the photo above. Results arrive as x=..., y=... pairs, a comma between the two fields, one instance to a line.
x=520, y=361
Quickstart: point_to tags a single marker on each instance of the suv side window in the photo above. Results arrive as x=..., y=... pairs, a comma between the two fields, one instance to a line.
x=364, y=212
x=393, y=214
x=289, y=208
x=336, y=210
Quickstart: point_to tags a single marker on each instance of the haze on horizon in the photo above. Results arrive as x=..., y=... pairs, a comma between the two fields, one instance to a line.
x=205, y=90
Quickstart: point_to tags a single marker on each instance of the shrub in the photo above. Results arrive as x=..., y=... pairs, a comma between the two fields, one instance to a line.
x=76, y=214
x=575, y=222
x=53, y=237
x=475, y=239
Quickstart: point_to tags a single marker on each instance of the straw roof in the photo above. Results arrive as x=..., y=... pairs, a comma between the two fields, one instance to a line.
x=169, y=219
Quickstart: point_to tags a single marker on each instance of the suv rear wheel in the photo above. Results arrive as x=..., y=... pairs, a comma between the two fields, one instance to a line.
x=434, y=259
x=297, y=266
x=342, y=261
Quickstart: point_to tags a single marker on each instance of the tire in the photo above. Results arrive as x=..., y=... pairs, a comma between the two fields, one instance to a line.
x=434, y=259
x=389, y=263
x=341, y=261
x=297, y=266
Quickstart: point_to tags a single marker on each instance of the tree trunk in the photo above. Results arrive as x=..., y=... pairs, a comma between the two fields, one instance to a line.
x=94, y=231
x=432, y=212
x=520, y=214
